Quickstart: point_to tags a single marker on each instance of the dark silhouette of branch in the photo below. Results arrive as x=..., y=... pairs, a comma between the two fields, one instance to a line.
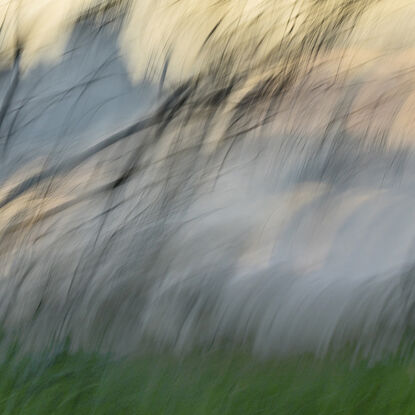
x=15, y=77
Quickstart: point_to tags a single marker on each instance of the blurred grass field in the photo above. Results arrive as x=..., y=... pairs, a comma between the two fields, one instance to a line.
x=204, y=384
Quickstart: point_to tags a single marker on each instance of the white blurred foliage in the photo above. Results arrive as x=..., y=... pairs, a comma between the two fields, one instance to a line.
x=299, y=242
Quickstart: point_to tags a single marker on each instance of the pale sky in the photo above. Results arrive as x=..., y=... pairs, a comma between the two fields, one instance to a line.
x=156, y=28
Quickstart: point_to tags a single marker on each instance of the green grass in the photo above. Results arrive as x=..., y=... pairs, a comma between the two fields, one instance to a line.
x=204, y=384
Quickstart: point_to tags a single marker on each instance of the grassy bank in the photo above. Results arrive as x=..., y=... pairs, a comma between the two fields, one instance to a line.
x=204, y=384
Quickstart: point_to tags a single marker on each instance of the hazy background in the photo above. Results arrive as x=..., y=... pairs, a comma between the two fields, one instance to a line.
x=181, y=174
